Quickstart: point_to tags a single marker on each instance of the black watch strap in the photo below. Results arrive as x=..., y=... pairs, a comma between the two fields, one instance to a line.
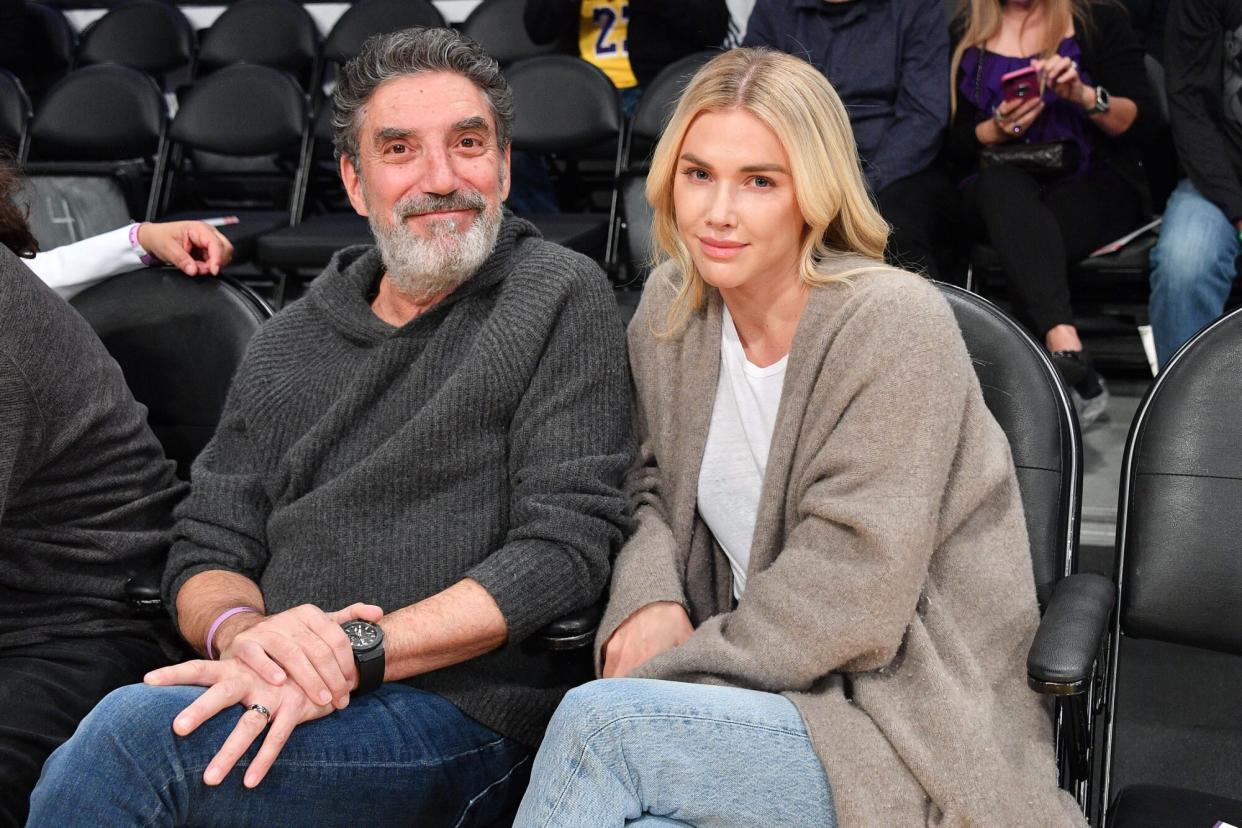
x=370, y=670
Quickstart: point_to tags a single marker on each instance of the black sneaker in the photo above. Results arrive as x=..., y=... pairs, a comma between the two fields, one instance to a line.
x=1087, y=388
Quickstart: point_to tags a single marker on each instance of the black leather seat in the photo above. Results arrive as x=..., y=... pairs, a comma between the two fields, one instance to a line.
x=53, y=44
x=253, y=117
x=1022, y=390
x=1176, y=668
x=14, y=115
x=178, y=341
x=497, y=26
x=276, y=33
x=565, y=107
x=106, y=120
x=149, y=35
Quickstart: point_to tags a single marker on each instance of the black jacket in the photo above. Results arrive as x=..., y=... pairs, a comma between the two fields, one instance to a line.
x=660, y=31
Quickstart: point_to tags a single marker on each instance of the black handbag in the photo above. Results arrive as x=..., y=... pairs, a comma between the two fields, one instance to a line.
x=1048, y=158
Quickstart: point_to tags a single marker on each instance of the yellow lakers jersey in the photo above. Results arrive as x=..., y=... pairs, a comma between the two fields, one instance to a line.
x=603, y=32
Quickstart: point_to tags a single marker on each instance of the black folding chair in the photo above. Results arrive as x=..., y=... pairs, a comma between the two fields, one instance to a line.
x=371, y=17
x=276, y=33
x=239, y=146
x=102, y=121
x=497, y=26
x=149, y=35
x=564, y=108
x=1173, y=735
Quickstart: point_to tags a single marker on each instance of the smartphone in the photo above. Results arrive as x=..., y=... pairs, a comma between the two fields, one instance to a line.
x=1021, y=84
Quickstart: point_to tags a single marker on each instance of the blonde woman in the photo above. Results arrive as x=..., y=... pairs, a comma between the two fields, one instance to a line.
x=822, y=615
x=1086, y=90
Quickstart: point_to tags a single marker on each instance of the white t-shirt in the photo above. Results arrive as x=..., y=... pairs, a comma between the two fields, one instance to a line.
x=736, y=455
x=72, y=268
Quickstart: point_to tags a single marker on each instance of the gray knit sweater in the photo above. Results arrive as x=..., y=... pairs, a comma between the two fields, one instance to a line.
x=487, y=439
x=86, y=496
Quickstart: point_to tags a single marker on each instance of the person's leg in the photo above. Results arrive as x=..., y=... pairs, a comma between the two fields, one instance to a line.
x=395, y=756
x=918, y=208
x=45, y=690
x=623, y=750
x=1192, y=269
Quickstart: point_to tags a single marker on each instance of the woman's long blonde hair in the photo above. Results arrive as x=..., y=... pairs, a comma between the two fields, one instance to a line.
x=796, y=102
x=980, y=20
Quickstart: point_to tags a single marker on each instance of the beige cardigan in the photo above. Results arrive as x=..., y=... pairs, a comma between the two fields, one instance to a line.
x=889, y=562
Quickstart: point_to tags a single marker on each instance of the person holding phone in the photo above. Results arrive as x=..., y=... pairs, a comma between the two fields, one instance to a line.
x=1065, y=81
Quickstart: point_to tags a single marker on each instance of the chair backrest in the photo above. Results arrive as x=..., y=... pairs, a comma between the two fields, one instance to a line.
x=1178, y=568
x=1024, y=394
x=371, y=17
x=14, y=115
x=242, y=110
x=276, y=33
x=497, y=26
x=150, y=35
x=658, y=101
x=562, y=104
x=99, y=113
x=53, y=43
x=178, y=341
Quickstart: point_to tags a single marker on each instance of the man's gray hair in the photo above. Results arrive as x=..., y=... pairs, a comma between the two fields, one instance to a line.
x=385, y=57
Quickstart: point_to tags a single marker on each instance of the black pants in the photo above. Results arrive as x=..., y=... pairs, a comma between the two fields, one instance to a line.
x=1039, y=230
x=45, y=690
x=922, y=210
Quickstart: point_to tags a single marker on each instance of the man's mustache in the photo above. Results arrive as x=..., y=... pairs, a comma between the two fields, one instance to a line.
x=421, y=205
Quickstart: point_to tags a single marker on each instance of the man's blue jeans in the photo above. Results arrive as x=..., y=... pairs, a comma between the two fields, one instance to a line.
x=645, y=753
x=397, y=756
x=1192, y=269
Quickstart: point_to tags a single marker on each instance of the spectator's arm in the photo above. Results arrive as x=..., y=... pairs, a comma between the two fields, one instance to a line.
x=547, y=21
x=72, y=268
x=1194, y=49
x=1120, y=69
x=701, y=24
x=569, y=447
x=913, y=140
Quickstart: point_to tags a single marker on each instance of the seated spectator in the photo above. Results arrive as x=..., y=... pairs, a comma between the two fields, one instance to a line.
x=630, y=40
x=1194, y=262
x=86, y=501
x=194, y=247
x=823, y=613
x=1084, y=100
x=887, y=61
x=1148, y=19
x=439, y=428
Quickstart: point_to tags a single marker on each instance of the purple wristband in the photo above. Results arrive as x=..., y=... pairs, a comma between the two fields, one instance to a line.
x=143, y=256
x=220, y=619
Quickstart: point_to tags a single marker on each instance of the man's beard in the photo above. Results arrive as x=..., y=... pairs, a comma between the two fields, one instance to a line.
x=424, y=268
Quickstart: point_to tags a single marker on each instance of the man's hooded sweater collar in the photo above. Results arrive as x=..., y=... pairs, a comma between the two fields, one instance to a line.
x=343, y=291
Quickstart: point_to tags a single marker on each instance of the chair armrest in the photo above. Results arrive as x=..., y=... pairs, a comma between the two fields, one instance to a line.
x=142, y=591
x=1069, y=635
x=571, y=632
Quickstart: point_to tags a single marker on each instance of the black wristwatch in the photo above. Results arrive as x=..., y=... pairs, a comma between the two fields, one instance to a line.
x=367, y=639
x=1102, y=102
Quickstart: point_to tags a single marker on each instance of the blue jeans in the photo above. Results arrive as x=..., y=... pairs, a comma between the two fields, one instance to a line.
x=393, y=757
x=647, y=753
x=1192, y=269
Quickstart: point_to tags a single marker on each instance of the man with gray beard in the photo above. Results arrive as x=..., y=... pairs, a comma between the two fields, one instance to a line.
x=418, y=467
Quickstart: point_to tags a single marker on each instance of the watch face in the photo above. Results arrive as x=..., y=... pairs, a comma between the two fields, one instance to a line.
x=363, y=635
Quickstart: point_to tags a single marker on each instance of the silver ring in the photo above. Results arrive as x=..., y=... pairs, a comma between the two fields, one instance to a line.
x=1016, y=129
x=258, y=708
